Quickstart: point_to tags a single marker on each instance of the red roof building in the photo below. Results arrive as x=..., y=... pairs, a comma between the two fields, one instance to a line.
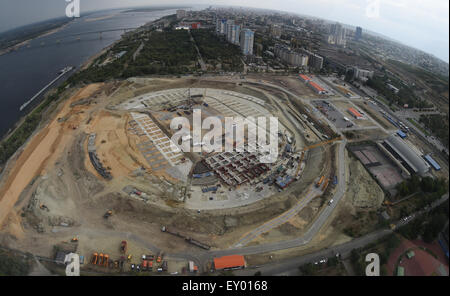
x=229, y=262
x=304, y=78
x=316, y=87
x=355, y=113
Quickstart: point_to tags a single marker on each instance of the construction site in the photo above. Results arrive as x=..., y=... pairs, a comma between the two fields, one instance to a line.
x=107, y=172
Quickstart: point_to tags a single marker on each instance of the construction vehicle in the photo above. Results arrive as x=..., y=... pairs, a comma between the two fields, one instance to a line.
x=105, y=260
x=123, y=247
x=107, y=214
x=44, y=207
x=186, y=238
x=325, y=184
x=159, y=258
x=320, y=181
x=150, y=266
x=94, y=258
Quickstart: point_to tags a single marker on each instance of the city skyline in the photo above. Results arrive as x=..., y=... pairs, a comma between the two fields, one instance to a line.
x=419, y=24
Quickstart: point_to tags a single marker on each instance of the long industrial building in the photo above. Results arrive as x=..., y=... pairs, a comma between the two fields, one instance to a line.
x=406, y=155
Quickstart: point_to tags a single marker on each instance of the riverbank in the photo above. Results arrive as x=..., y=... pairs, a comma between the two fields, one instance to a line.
x=27, y=41
x=25, y=125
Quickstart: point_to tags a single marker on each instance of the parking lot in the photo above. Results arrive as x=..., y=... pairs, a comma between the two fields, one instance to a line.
x=336, y=117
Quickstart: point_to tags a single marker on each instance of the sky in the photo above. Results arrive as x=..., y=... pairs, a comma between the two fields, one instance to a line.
x=423, y=24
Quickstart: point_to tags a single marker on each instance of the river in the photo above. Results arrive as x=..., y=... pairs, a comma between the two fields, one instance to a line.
x=26, y=71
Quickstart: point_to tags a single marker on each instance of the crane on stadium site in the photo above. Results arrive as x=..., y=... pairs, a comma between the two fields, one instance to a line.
x=312, y=147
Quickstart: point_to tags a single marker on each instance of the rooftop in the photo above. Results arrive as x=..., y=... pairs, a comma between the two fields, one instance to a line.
x=229, y=262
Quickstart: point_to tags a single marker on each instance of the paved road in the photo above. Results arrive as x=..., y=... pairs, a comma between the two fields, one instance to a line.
x=290, y=266
x=283, y=218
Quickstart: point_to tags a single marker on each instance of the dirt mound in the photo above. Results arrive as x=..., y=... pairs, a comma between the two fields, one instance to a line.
x=366, y=193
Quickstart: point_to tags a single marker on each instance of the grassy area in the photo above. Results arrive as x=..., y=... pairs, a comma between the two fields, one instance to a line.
x=216, y=50
x=405, y=95
x=428, y=225
x=436, y=81
x=20, y=135
x=439, y=126
x=169, y=52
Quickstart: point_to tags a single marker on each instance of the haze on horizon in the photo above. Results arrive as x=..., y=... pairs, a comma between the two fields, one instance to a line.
x=422, y=24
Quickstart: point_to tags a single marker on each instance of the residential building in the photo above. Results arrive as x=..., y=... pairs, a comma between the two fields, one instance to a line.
x=315, y=61
x=235, y=33
x=229, y=29
x=358, y=33
x=275, y=31
x=246, y=41
x=221, y=26
x=291, y=57
x=337, y=35
x=362, y=74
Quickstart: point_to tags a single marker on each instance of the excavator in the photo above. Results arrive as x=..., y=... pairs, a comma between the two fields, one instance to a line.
x=105, y=260
x=123, y=247
x=94, y=258
x=107, y=214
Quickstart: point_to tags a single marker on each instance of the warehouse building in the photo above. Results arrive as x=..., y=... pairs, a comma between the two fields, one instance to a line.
x=304, y=78
x=317, y=88
x=229, y=262
x=406, y=155
x=355, y=113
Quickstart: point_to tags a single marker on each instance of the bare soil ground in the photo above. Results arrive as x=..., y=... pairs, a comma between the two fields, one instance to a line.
x=76, y=197
x=33, y=159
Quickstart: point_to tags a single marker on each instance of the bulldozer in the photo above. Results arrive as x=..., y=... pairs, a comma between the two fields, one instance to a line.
x=44, y=208
x=107, y=214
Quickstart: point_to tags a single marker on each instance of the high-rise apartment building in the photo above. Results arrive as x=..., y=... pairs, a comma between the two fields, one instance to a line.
x=246, y=41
